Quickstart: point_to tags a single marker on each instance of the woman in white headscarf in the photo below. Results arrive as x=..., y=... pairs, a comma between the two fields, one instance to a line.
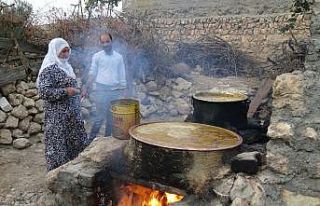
x=65, y=135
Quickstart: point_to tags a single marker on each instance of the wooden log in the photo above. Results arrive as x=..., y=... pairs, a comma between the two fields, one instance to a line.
x=262, y=93
x=5, y=43
x=35, y=67
x=8, y=75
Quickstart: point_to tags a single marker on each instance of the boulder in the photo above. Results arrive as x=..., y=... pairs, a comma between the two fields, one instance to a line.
x=22, y=87
x=11, y=122
x=28, y=103
x=31, y=93
x=15, y=99
x=20, y=112
x=5, y=105
x=24, y=124
x=5, y=136
x=3, y=116
x=38, y=118
x=8, y=89
x=39, y=105
x=247, y=162
x=21, y=143
x=34, y=128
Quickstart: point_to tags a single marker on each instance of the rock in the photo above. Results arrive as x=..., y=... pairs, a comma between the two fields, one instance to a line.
x=278, y=163
x=141, y=96
x=22, y=87
x=152, y=86
x=24, y=124
x=177, y=94
x=32, y=85
x=3, y=116
x=20, y=112
x=15, y=99
x=21, y=143
x=249, y=190
x=35, y=98
x=155, y=94
x=31, y=93
x=288, y=83
x=141, y=88
x=5, y=105
x=8, y=89
x=80, y=175
x=17, y=133
x=173, y=112
x=38, y=118
x=48, y=199
x=293, y=199
x=28, y=103
x=146, y=111
x=5, y=136
x=288, y=92
x=145, y=101
x=37, y=138
x=34, y=128
x=309, y=133
x=86, y=103
x=181, y=84
x=247, y=162
x=11, y=122
x=182, y=107
x=239, y=202
x=39, y=105
x=280, y=130
x=33, y=111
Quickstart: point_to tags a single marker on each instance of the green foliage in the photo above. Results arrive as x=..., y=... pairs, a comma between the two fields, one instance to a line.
x=298, y=7
x=100, y=4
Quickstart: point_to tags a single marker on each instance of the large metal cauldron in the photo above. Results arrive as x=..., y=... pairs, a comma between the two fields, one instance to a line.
x=179, y=154
x=228, y=110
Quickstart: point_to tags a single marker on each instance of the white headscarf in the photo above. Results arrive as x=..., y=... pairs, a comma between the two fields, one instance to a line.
x=56, y=45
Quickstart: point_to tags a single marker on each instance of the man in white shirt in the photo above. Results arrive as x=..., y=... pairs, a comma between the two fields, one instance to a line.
x=108, y=72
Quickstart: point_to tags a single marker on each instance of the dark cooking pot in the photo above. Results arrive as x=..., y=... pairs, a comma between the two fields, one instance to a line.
x=228, y=110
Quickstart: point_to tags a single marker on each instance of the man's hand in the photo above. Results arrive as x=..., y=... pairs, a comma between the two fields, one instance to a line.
x=71, y=91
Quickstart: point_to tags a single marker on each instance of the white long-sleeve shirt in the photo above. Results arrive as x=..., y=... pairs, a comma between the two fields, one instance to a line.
x=108, y=69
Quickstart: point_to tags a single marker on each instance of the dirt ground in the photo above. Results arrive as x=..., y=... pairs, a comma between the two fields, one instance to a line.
x=22, y=172
x=22, y=175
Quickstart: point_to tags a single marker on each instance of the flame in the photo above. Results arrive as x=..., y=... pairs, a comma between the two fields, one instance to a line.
x=137, y=195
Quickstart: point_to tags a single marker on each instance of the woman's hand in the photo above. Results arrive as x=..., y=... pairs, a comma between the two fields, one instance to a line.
x=71, y=91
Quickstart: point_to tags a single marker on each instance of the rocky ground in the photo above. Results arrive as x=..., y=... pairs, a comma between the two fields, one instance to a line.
x=23, y=172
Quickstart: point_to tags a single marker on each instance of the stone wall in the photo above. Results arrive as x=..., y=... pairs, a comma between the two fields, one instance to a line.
x=258, y=36
x=250, y=26
x=208, y=7
x=21, y=115
x=293, y=153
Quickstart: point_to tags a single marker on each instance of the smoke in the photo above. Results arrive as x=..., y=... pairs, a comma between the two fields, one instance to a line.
x=86, y=44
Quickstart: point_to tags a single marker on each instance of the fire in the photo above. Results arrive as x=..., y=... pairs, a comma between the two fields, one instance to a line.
x=137, y=195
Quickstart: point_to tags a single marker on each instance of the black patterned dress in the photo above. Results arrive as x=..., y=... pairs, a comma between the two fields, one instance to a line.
x=65, y=135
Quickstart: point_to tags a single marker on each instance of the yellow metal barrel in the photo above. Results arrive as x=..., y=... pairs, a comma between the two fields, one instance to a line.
x=125, y=114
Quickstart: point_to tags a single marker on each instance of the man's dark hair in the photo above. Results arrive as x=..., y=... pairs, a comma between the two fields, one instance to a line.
x=106, y=33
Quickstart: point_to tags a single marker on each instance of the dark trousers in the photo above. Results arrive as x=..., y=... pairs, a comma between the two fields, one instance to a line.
x=103, y=98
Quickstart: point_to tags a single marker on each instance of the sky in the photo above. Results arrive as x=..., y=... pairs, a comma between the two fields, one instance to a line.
x=40, y=6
